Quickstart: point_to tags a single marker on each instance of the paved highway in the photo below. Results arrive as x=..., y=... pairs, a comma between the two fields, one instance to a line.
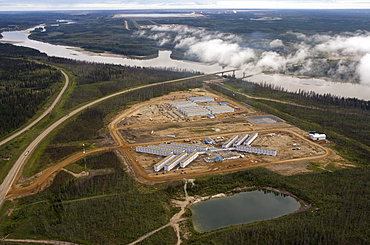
x=57, y=99
x=16, y=169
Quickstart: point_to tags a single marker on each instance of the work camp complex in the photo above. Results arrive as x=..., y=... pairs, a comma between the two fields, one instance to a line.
x=176, y=154
x=211, y=149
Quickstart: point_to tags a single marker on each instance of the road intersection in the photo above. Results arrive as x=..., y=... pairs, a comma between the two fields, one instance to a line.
x=21, y=161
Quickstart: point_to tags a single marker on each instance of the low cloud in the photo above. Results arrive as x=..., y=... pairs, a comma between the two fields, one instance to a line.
x=345, y=56
x=220, y=51
x=356, y=45
x=277, y=43
x=363, y=69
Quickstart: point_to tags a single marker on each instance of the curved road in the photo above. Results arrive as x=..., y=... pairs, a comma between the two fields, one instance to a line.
x=57, y=99
x=15, y=170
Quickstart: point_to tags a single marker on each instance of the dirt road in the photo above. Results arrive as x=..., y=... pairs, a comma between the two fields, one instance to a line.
x=139, y=173
x=174, y=221
x=42, y=180
x=21, y=161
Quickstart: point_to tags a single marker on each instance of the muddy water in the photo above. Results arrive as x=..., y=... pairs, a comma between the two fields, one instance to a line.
x=20, y=38
x=320, y=86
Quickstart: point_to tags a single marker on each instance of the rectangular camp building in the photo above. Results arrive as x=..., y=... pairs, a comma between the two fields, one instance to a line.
x=182, y=148
x=256, y=150
x=230, y=141
x=250, y=140
x=191, y=157
x=193, y=111
x=218, y=109
x=200, y=99
x=158, y=166
x=175, y=151
x=317, y=136
x=182, y=104
x=241, y=139
x=175, y=161
x=198, y=148
x=159, y=152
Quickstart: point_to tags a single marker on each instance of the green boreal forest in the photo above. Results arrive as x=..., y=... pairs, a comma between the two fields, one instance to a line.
x=111, y=207
x=100, y=32
x=89, y=81
x=25, y=86
x=345, y=120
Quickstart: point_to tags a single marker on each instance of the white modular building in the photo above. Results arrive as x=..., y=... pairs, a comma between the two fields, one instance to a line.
x=191, y=157
x=183, y=103
x=175, y=161
x=256, y=150
x=158, y=166
x=159, y=152
x=230, y=141
x=201, y=99
x=241, y=139
x=218, y=109
x=198, y=148
x=175, y=151
x=317, y=136
x=182, y=148
x=194, y=111
x=250, y=140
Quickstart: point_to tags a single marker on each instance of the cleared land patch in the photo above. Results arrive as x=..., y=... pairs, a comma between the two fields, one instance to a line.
x=159, y=123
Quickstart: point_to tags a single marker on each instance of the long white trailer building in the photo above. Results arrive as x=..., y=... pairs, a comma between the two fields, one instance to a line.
x=158, y=166
x=256, y=150
x=200, y=99
x=183, y=148
x=218, y=109
x=250, y=140
x=183, y=103
x=194, y=111
x=230, y=141
x=191, y=157
x=241, y=139
x=159, y=152
x=175, y=151
x=175, y=161
x=198, y=148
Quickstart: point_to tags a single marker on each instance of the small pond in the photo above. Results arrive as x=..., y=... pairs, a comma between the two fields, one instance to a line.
x=241, y=208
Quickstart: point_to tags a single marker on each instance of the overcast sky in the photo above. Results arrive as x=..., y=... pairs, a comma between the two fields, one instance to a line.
x=20, y=5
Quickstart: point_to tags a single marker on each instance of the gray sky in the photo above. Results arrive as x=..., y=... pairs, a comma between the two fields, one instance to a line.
x=20, y=5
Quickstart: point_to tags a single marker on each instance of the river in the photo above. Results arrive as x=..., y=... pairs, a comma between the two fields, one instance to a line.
x=321, y=86
x=20, y=38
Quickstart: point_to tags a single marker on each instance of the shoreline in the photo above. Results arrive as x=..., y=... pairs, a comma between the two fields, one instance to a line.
x=192, y=200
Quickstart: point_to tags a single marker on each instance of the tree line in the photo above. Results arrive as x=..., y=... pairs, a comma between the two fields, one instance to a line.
x=25, y=86
x=346, y=124
x=95, y=80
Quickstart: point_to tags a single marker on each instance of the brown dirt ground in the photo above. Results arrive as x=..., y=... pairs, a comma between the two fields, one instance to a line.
x=150, y=123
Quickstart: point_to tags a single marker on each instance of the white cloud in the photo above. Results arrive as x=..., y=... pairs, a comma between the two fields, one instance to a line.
x=305, y=57
x=277, y=43
x=222, y=52
x=271, y=60
x=363, y=69
x=357, y=45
